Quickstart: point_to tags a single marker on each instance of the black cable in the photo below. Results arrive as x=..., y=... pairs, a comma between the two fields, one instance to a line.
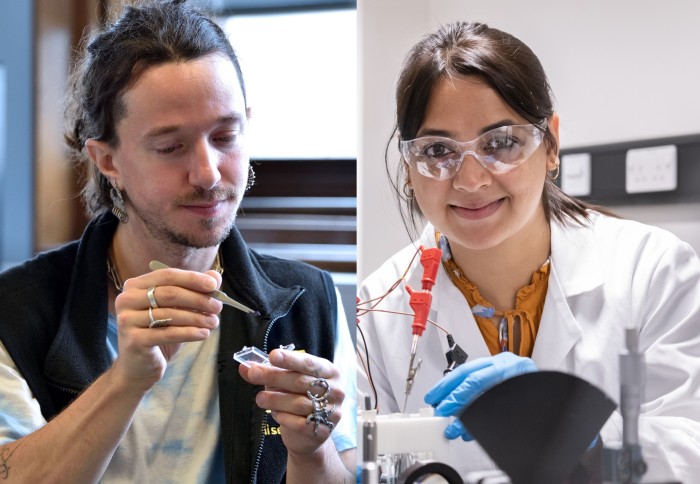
x=369, y=373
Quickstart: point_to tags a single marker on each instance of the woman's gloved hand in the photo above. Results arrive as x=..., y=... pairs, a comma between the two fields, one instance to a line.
x=466, y=382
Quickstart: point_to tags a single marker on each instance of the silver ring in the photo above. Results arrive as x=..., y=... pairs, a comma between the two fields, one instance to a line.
x=321, y=382
x=320, y=414
x=151, y=293
x=157, y=323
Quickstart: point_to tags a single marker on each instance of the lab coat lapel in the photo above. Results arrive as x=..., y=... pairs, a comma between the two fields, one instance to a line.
x=575, y=257
x=574, y=270
x=558, y=331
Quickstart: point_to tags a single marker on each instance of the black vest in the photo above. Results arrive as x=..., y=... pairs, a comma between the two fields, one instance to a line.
x=53, y=322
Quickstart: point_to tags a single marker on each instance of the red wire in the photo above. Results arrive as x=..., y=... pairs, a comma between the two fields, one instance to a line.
x=362, y=312
x=374, y=303
x=401, y=313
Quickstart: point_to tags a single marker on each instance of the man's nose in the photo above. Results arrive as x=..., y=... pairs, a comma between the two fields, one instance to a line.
x=205, y=166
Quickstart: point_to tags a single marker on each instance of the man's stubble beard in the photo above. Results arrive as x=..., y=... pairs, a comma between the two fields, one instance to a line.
x=163, y=232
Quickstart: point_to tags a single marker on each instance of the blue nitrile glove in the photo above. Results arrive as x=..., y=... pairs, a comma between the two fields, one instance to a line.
x=466, y=382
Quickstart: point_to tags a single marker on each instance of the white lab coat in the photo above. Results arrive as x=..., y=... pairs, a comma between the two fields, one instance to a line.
x=605, y=276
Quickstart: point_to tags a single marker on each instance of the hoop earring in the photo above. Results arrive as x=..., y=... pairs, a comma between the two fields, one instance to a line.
x=408, y=192
x=251, y=178
x=118, y=207
x=554, y=174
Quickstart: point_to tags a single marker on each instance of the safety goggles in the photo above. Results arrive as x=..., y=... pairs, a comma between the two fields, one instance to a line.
x=498, y=150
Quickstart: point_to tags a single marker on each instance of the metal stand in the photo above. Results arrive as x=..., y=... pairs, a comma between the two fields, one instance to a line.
x=624, y=463
x=369, y=471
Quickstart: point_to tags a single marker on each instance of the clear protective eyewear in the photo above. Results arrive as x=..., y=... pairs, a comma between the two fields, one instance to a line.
x=498, y=150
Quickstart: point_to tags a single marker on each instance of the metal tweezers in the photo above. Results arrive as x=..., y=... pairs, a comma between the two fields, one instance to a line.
x=220, y=295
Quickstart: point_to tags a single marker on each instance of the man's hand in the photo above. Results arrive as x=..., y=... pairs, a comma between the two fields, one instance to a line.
x=287, y=381
x=306, y=422
x=185, y=311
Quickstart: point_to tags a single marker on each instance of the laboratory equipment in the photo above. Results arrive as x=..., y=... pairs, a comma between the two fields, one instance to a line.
x=624, y=463
x=391, y=444
x=420, y=302
x=251, y=354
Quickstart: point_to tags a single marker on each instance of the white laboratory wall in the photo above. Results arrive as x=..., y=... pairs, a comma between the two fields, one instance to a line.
x=620, y=71
x=386, y=30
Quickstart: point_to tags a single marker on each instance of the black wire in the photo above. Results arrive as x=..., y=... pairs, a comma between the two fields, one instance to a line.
x=369, y=373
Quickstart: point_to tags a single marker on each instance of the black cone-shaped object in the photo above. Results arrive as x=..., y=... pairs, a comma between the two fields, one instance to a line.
x=537, y=426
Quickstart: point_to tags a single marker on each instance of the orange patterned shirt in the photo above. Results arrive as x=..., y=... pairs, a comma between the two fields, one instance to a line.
x=521, y=323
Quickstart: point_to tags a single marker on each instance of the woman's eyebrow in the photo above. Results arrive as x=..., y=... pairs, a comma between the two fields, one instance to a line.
x=449, y=134
x=435, y=132
x=498, y=124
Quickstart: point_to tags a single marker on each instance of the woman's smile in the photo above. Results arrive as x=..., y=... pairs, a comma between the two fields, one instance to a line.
x=478, y=210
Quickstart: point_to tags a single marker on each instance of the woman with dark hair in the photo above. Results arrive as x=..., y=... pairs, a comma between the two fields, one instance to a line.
x=531, y=278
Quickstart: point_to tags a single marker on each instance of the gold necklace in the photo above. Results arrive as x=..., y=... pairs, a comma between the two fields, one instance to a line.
x=116, y=280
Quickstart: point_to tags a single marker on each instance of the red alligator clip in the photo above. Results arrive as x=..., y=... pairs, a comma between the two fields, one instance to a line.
x=421, y=300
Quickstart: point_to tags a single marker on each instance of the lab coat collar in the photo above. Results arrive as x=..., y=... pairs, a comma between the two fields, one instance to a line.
x=575, y=269
x=573, y=253
x=574, y=256
x=559, y=331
